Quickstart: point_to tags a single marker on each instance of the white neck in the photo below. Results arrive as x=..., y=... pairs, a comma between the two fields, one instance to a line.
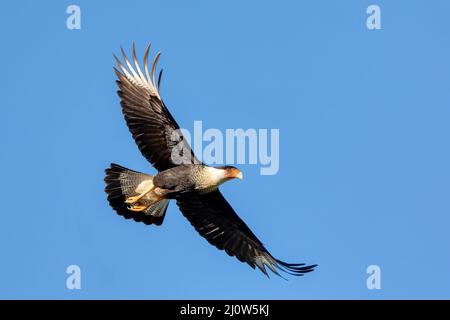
x=216, y=175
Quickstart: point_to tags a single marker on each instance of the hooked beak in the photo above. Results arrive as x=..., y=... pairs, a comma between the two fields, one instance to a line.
x=234, y=173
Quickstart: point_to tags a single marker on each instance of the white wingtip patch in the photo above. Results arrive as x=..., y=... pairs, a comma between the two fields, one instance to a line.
x=135, y=74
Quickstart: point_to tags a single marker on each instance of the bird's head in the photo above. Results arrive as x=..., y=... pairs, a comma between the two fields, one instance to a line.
x=221, y=174
x=233, y=172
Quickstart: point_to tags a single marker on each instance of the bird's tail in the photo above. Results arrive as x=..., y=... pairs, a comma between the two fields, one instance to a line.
x=123, y=184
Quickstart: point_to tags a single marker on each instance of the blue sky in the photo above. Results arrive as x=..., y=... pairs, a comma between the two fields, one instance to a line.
x=364, y=159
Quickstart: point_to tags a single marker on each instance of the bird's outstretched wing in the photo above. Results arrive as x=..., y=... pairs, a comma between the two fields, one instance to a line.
x=153, y=128
x=215, y=220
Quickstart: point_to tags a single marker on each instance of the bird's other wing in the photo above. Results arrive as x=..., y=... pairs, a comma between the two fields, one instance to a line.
x=153, y=128
x=215, y=220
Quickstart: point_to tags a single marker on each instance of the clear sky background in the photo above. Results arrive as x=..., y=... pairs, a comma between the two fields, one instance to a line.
x=364, y=157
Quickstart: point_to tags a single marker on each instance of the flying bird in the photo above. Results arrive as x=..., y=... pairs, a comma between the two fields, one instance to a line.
x=181, y=176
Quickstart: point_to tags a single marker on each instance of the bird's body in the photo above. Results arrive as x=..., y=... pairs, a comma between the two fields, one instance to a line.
x=193, y=178
x=192, y=184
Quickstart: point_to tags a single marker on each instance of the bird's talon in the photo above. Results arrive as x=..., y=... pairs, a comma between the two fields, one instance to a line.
x=137, y=208
x=132, y=200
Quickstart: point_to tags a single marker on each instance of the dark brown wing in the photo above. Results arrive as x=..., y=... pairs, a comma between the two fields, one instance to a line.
x=153, y=128
x=214, y=218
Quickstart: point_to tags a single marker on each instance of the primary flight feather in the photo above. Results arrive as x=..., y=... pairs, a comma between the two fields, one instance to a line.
x=181, y=176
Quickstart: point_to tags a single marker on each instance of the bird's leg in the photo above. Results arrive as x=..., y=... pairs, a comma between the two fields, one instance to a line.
x=132, y=200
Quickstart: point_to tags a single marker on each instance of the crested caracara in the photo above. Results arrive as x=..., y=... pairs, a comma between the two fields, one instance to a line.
x=192, y=184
